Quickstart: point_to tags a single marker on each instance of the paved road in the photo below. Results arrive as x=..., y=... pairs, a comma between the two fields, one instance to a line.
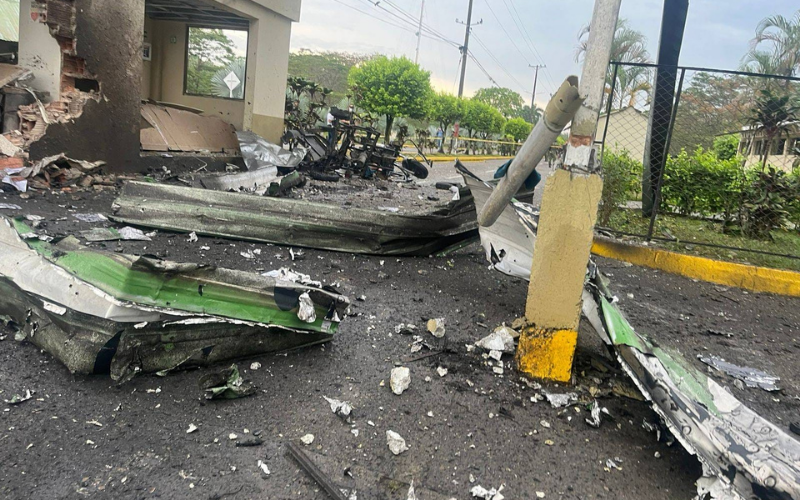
x=446, y=172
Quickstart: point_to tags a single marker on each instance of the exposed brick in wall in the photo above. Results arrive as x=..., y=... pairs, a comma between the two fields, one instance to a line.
x=60, y=17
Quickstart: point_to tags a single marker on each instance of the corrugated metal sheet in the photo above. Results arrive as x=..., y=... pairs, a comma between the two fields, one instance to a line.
x=9, y=20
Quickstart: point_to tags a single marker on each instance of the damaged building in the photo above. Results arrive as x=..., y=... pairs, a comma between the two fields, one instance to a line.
x=125, y=81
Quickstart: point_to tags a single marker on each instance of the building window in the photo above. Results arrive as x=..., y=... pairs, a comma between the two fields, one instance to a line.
x=215, y=62
x=778, y=146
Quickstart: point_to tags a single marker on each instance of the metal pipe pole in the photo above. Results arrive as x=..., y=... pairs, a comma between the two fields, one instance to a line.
x=580, y=148
x=465, y=52
x=419, y=32
x=559, y=112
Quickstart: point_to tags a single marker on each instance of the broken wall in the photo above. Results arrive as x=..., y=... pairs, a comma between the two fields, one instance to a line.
x=39, y=51
x=97, y=116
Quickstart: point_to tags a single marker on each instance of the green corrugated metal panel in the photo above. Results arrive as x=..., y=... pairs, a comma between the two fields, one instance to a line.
x=9, y=20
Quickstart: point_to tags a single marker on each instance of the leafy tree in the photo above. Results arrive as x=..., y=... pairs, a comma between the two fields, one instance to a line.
x=508, y=102
x=531, y=115
x=481, y=120
x=445, y=109
x=391, y=87
x=711, y=105
x=783, y=35
x=518, y=129
x=220, y=88
x=209, y=51
x=772, y=116
x=329, y=69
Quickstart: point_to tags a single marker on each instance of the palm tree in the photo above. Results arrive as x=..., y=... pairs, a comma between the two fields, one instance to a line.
x=783, y=34
x=629, y=45
x=773, y=115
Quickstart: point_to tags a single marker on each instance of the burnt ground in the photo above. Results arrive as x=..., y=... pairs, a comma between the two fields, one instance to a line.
x=482, y=425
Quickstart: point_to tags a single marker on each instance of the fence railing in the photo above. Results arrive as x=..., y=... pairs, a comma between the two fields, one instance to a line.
x=722, y=172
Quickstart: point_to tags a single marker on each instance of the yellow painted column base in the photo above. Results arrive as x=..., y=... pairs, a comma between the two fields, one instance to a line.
x=546, y=354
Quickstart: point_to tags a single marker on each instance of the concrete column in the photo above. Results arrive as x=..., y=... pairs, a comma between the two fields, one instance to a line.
x=267, y=69
x=566, y=224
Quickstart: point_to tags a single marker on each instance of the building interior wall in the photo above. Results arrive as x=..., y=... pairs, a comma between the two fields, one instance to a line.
x=163, y=75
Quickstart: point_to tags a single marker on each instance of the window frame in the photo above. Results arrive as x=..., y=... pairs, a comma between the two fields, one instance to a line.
x=186, y=64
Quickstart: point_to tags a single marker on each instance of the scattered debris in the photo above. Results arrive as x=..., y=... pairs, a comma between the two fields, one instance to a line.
x=596, y=412
x=400, y=379
x=436, y=327
x=9, y=206
x=611, y=464
x=397, y=444
x=273, y=220
x=263, y=467
x=752, y=377
x=192, y=428
x=499, y=340
x=174, y=128
x=226, y=384
x=479, y=491
x=192, y=237
x=442, y=371
x=97, y=298
x=307, y=439
x=315, y=472
x=743, y=454
x=306, y=311
x=90, y=217
x=561, y=400
x=17, y=399
x=111, y=234
x=340, y=408
x=411, y=495
x=249, y=441
x=719, y=333
x=255, y=365
x=405, y=329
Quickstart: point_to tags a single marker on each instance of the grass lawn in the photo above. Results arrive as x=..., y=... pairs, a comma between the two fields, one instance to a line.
x=688, y=231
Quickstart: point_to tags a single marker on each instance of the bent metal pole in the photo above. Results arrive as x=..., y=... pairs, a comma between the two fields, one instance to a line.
x=560, y=110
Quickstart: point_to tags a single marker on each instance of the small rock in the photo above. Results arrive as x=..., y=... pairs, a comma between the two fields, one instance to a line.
x=442, y=371
x=436, y=327
x=307, y=439
x=400, y=379
x=397, y=444
x=499, y=340
x=255, y=365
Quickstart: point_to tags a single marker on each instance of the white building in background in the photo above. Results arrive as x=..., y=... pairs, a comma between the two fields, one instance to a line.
x=783, y=152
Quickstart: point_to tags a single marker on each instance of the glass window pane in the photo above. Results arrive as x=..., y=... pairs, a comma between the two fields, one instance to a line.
x=216, y=60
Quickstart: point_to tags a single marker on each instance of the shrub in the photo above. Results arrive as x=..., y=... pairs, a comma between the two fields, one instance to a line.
x=621, y=176
x=768, y=201
x=726, y=146
x=703, y=184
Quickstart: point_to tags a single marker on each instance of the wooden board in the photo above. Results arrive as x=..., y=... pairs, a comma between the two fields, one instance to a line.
x=172, y=129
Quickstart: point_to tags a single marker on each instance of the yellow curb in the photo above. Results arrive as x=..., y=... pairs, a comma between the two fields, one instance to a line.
x=546, y=354
x=463, y=159
x=757, y=279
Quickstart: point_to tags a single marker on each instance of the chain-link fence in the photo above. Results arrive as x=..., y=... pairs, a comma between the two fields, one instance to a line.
x=714, y=165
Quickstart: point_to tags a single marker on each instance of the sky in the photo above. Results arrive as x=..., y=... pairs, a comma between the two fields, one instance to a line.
x=517, y=33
